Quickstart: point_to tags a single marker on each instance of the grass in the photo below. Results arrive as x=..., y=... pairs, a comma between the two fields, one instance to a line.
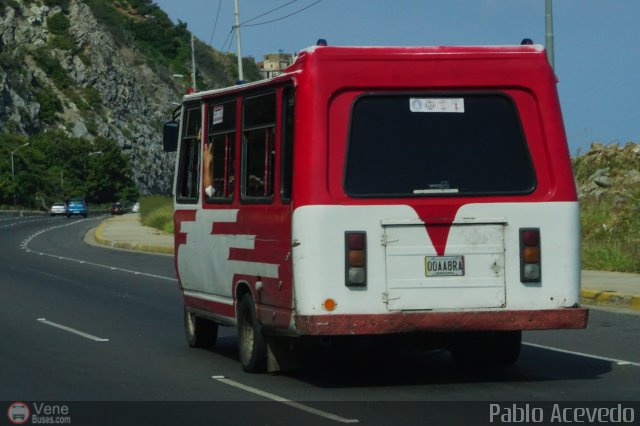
x=611, y=234
x=156, y=211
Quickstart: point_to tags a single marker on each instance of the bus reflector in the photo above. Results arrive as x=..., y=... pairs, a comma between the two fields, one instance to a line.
x=355, y=258
x=530, y=257
x=330, y=305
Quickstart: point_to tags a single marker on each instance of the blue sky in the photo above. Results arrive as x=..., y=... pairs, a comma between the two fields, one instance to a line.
x=597, y=42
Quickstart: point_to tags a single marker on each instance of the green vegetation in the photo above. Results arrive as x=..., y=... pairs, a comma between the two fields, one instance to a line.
x=609, y=180
x=611, y=234
x=54, y=167
x=157, y=212
x=49, y=104
x=58, y=24
x=64, y=4
x=52, y=67
x=165, y=46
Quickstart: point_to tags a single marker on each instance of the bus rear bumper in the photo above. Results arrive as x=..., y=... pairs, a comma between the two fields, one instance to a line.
x=409, y=322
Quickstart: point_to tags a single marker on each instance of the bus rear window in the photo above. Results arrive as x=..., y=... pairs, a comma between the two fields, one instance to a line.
x=426, y=145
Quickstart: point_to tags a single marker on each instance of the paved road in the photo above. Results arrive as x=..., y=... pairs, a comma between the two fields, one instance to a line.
x=85, y=323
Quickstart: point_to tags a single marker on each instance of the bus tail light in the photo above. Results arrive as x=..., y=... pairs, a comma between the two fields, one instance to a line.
x=530, y=255
x=355, y=258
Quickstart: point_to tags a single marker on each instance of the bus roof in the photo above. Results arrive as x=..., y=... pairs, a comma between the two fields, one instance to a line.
x=338, y=53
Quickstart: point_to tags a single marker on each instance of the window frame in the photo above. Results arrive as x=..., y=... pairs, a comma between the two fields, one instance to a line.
x=230, y=159
x=440, y=94
x=287, y=143
x=194, y=195
x=267, y=199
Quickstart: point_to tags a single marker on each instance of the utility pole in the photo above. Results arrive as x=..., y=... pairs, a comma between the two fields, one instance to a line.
x=193, y=65
x=548, y=8
x=239, y=44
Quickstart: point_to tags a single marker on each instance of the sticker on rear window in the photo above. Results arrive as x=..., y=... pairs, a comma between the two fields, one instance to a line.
x=218, y=114
x=436, y=105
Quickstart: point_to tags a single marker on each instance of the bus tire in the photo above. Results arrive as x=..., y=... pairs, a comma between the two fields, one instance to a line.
x=487, y=349
x=252, y=345
x=200, y=332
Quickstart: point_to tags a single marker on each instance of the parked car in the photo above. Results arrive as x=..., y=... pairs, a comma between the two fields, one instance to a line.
x=77, y=207
x=58, y=209
x=135, y=208
x=118, y=208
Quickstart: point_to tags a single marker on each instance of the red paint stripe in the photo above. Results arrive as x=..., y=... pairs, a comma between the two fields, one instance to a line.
x=438, y=219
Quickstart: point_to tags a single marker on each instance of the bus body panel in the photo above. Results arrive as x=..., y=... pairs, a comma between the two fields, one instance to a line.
x=396, y=266
x=290, y=255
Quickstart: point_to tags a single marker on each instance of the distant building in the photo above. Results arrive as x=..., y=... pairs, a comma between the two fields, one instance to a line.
x=274, y=64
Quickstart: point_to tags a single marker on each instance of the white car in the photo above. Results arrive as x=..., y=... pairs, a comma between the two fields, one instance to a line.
x=135, y=208
x=58, y=209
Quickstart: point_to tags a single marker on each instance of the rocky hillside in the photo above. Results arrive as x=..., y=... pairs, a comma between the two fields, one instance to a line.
x=612, y=170
x=101, y=68
x=608, y=179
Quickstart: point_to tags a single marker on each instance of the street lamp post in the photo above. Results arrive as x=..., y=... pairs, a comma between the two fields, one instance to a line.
x=13, y=172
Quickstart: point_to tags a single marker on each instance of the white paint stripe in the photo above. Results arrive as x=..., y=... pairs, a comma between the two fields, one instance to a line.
x=72, y=330
x=602, y=358
x=210, y=297
x=24, y=245
x=285, y=401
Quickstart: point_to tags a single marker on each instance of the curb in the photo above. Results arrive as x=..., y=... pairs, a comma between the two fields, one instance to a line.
x=100, y=239
x=612, y=299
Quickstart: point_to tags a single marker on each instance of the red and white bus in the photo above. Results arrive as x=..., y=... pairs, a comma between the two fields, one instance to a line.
x=380, y=190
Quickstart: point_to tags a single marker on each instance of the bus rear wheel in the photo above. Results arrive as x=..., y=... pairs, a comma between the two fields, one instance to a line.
x=491, y=348
x=200, y=332
x=252, y=345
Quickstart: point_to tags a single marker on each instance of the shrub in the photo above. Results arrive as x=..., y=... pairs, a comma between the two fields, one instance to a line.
x=64, y=4
x=63, y=42
x=52, y=67
x=49, y=104
x=157, y=212
x=58, y=24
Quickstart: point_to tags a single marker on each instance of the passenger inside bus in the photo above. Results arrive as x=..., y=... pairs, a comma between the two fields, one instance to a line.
x=208, y=170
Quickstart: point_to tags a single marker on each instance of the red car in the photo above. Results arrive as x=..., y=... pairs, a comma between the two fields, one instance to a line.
x=118, y=208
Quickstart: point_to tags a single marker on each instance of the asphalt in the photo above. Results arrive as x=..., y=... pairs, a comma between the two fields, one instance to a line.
x=601, y=288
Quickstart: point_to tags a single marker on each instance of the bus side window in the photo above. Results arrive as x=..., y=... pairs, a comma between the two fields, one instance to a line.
x=259, y=147
x=288, y=104
x=222, y=134
x=189, y=166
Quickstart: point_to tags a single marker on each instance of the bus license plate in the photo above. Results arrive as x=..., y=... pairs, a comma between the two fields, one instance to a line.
x=444, y=266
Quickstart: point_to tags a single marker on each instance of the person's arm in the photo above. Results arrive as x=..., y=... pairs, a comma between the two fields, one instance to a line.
x=208, y=170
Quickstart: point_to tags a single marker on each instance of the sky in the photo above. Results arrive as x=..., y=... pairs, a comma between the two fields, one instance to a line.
x=596, y=42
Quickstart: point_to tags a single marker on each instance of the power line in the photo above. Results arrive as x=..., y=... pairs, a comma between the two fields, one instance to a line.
x=283, y=17
x=215, y=25
x=266, y=13
x=227, y=39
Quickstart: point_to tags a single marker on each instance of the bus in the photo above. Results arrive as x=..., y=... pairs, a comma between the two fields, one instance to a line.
x=371, y=191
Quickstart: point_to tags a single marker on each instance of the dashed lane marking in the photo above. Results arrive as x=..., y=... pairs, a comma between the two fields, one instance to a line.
x=72, y=330
x=24, y=245
x=601, y=358
x=285, y=401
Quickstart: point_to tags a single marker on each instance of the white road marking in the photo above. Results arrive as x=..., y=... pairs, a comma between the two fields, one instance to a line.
x=24, y=245
x=601, y=358
x=285, y=401
x=72, y=330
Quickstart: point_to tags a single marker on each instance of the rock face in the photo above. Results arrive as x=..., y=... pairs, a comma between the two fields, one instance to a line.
x=100, y=87
x=611, y=170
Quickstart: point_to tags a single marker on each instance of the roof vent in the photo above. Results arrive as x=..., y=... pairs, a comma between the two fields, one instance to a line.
x=526, y=42
x=321, y=42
